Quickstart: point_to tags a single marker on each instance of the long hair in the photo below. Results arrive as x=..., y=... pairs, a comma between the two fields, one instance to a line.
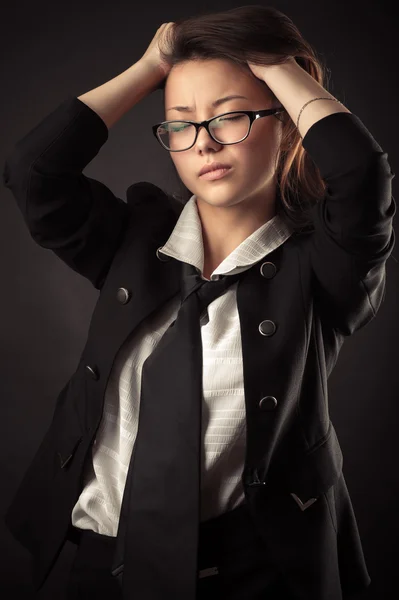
x=264, y=36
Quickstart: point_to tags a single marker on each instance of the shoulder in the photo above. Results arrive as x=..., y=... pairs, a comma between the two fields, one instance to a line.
x=145, y=191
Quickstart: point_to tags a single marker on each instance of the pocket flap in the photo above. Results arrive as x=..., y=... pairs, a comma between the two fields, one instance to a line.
x=67, y=447
x=69, y=434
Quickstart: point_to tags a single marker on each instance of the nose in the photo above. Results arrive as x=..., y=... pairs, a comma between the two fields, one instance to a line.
x=204, y=136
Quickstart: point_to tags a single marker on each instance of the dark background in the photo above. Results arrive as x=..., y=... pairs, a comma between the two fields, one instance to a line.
x=53, y=50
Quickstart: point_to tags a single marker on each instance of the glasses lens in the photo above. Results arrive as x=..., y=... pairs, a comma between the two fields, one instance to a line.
x=227, y=129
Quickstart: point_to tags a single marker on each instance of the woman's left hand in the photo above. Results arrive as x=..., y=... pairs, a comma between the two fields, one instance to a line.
x=260, y=70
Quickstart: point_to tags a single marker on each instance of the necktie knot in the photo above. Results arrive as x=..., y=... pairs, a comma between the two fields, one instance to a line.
x=206, y=291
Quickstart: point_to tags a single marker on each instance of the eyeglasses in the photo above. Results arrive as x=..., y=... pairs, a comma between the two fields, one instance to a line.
x=228, y=128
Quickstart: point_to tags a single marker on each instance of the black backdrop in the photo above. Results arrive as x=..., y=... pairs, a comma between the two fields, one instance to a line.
x=53, y=50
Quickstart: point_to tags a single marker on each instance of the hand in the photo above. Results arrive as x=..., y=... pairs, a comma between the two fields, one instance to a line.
x=159, y=41
x=260, y=70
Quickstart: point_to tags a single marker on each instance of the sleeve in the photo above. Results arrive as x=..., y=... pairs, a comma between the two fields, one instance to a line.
x=353, y=224
x=75, y=216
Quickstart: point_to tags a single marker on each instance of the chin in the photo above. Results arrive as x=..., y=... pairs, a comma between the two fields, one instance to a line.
x=220, y=200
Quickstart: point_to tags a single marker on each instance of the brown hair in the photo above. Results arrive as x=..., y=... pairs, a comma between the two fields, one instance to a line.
x=265, y=36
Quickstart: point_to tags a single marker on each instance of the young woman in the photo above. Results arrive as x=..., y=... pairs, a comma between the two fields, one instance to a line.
x=289, y=204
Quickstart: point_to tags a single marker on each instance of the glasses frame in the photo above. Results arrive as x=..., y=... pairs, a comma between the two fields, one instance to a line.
x=252, y=114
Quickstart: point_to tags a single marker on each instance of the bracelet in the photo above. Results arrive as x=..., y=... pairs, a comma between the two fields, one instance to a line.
x=324, y=98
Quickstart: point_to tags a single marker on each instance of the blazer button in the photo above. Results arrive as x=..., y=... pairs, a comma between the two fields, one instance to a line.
x=123, y=295
x=267, y=328
x=92, y=371
x=268, y=403
x=161, y=256
x=268, y=270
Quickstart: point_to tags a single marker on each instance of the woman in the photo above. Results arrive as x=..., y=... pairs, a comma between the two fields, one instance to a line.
x=277, y=151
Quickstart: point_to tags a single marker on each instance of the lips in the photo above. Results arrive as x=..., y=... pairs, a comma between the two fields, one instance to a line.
x=213, y=167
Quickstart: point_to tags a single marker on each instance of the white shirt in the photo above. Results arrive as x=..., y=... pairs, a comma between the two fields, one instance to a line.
x=223, y=408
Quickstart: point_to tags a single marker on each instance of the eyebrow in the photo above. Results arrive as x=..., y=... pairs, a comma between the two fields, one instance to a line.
x=216, y=103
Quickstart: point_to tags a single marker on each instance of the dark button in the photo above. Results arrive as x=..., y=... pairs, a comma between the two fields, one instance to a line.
x=268, y=270
x=267, y=327
x=161, y=256
x=268, y=403
x=123, y=295
x=92, y=371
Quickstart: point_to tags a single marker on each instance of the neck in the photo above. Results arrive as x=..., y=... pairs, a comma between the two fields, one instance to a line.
x=225, y=228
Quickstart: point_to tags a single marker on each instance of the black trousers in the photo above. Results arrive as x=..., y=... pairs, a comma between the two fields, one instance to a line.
x=233, y=563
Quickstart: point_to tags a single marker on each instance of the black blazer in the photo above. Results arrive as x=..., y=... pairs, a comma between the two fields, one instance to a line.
x=316, y=288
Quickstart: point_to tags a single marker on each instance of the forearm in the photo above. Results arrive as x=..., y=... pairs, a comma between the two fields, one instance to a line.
x=117, y=96
x=293, y=87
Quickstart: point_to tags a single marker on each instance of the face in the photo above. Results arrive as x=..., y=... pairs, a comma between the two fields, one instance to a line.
x=197, y=84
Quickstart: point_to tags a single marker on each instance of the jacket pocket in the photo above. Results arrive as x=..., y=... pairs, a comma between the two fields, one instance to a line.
x=307, y=478
x=41, y=491
x=68, y=432
x=316, y=472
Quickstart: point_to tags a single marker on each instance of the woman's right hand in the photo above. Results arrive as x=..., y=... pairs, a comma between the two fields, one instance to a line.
x=160, y=40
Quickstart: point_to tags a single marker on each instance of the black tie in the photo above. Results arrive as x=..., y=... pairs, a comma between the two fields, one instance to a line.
x=157, y=541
